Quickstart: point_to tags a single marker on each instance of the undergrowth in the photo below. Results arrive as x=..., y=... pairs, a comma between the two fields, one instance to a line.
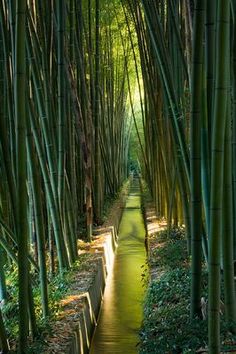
x=167, y=328
x=58, y=286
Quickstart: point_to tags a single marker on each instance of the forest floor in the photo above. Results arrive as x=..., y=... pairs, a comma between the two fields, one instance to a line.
x=57, y=336
x=66, y=291
x=167, y=328
x=66, y=299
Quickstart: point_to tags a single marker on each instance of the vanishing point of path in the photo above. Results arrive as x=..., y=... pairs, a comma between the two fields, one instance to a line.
x=121, y=312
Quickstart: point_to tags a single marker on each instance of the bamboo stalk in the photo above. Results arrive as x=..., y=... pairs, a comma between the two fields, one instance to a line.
x=22, y=198
x=217, y=163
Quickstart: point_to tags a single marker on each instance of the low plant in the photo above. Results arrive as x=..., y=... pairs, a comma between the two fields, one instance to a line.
x=58, y=286
x=167, y=327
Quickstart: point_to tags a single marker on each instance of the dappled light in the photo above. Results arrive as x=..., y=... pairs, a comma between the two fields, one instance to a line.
x=106, y=241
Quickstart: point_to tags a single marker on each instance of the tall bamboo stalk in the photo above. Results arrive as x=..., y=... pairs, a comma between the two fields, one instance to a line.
x=217, y=152
x=22, y=198
x=195, y=154
x=227, y=237
x=97, y=192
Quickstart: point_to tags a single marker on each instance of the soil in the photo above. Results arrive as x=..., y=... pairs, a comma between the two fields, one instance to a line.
x=153, y=225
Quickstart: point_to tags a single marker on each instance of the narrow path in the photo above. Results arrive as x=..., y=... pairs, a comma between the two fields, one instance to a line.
x=121, y=312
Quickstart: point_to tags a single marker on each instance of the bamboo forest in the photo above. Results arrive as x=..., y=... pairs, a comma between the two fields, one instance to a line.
x=117, y=176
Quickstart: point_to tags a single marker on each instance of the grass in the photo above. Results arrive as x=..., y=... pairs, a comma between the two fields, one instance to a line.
x=167, y=327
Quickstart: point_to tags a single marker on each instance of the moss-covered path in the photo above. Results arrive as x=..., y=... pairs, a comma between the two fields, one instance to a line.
x=121, y=312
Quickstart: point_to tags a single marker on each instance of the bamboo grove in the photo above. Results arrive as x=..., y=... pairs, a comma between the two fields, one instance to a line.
x=64, y=137
x=70, y=75
x=187, y=54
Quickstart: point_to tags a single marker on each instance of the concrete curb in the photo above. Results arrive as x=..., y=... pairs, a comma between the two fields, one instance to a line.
x=106, y=247
x=92, y=299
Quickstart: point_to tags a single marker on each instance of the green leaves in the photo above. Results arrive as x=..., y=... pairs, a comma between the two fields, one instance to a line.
x=167, y=325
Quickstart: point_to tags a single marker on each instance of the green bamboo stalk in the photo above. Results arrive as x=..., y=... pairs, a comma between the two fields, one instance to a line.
x=31, y=311
x=97, y=177
x=217, y=163
x=210, y=61
x=7, y=150
x=3, y=288
x=205, y=169
x=22, y=199
x=61, y=99
x=39, y=222
x=234, y=125
x=195, y=154
x=227, y=239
